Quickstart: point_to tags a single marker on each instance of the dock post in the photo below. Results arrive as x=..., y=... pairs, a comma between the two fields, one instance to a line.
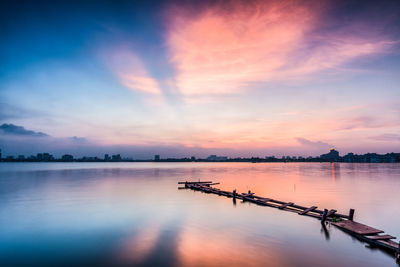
x=323, y=219
x=234, y=194
x=351, y=214
x=398, y=253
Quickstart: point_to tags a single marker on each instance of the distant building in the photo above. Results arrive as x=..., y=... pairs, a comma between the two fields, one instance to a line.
x=44, y=157
x=0, y=154
x=216, y=158
x=21, y=157
x=157, y=158
x=116, y=157
x=106, y=157
x=333, y=155
x=67, y=157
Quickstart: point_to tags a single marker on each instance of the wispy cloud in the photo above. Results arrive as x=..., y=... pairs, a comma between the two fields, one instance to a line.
x=220, y=51
x=366, y=122
x=388, y=137
x=8, y=111
x=131, y=71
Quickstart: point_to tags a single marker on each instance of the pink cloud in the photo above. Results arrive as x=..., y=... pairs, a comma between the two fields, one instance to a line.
x=132, y=73
x=222, y=52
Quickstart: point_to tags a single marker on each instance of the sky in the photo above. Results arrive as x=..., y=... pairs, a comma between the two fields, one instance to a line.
x=193, y=78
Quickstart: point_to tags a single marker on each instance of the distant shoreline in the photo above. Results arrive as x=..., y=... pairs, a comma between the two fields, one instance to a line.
x=332, y=156
x=152, y=161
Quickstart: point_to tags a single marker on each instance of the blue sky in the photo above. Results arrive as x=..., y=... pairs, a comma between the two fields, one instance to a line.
x=181, y=78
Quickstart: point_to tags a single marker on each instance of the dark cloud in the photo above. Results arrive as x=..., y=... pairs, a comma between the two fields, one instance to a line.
x=11, y=129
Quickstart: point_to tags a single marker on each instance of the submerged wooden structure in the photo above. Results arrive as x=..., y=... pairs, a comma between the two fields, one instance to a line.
x=344, y=222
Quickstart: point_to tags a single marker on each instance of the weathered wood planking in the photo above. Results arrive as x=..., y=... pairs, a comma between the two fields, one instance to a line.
x=361, y=231
x=212, y=184
x=285, y=205
x=331, y=213
x=338, y=215
x=388, y=244
x=380, y=237
x=308, y=210
x=202, y=182
x=357, y=228
x=251, y=197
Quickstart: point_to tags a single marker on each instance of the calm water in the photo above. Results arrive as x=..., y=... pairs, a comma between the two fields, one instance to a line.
x=133, y=214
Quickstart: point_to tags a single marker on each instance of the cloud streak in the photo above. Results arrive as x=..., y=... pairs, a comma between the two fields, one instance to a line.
x=132, y=73
x=221, y=51
x=387, y=137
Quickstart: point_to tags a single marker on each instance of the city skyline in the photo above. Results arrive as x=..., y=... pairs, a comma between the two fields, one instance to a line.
x=332, y=156
x=178, y=78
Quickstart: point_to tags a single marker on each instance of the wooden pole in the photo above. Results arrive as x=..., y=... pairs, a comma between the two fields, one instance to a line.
x=323, y=219
x=234, y=194
x=398, y=253
x=351, y=214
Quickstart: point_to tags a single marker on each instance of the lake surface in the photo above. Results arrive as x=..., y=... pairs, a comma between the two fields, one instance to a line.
x=133, y=214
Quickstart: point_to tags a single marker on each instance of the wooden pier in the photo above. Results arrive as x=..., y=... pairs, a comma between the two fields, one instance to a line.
x=374, y=237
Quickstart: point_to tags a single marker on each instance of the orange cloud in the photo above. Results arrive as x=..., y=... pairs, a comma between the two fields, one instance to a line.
x=222, y=52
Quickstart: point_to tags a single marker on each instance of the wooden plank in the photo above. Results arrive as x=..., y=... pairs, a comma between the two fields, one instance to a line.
x=380, y=237
x=363, y=232
x=248, y=195
x=308, y=210
x=285, y=205
x=256, y=201
x=264, y=199
x=357, y=228
x=388, y=244
x=331, y=212
x=199, y=182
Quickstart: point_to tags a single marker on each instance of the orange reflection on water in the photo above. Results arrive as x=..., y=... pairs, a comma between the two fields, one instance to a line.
x=221, y=248
x=139, y=247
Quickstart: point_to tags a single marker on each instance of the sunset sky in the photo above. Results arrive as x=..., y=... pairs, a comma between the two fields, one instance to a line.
x=183, y=78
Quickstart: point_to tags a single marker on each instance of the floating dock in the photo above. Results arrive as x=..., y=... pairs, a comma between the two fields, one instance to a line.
x=344, y=222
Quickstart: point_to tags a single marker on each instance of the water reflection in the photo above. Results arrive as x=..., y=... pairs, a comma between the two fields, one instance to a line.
x=139, y=247
x=335, y=171
x=133, y=214
x=151, y=246
x=325, y=231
